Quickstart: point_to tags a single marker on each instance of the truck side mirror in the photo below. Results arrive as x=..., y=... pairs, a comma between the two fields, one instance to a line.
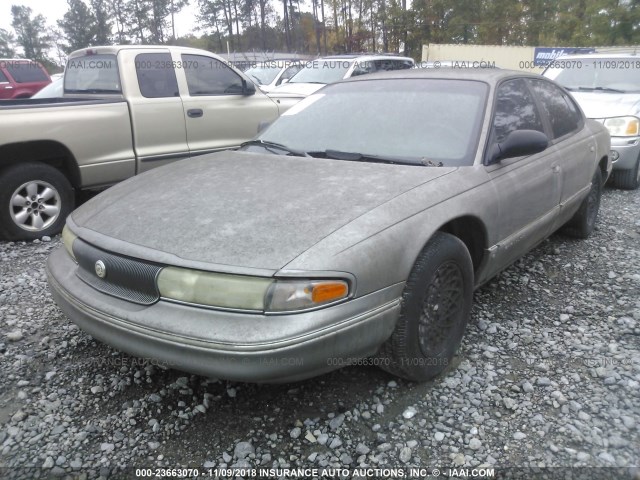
x=248, y=88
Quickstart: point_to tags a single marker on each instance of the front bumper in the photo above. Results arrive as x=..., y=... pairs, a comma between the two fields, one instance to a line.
x=229, y=345
x=628, y=150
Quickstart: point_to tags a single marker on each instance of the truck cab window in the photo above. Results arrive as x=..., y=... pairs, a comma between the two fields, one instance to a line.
x=208, y=76
x=156, y=75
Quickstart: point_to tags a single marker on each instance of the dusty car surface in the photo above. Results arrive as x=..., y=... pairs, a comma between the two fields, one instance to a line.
x=324, y=241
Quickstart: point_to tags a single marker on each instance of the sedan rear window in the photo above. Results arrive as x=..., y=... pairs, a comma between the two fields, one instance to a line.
x=427, y=120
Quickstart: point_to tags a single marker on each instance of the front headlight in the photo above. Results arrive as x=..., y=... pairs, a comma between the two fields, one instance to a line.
x=213, y=289
x=68, y=238
x=623, y=126
x=239, y=292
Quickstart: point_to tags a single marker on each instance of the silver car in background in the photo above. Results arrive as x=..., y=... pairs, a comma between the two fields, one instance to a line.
x=358, y=224
x=607, y=87
x=322, y=71
x=273, y=73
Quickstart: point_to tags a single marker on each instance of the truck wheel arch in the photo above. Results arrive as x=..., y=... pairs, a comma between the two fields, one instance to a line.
x=48, y=152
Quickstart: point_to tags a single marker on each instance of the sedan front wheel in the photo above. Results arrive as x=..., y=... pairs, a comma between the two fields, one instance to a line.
x=436, y=306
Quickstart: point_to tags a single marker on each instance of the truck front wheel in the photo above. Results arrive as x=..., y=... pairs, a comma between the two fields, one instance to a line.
x=35, y=200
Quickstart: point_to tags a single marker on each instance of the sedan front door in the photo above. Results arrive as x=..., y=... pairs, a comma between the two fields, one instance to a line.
x=528, y=188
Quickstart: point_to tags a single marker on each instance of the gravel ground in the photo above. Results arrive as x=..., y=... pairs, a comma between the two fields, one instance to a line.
x=548, y=376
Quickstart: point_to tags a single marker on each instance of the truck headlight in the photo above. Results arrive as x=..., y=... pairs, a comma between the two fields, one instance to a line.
x=623, y=126
x=240, y=292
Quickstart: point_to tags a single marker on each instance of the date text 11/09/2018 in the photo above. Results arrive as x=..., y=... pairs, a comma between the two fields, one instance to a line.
x=296, y=473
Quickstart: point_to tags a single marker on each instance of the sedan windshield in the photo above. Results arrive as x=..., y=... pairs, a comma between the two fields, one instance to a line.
x=598, y=74
x=417, y=121
x=322, y=71
x=265, y=73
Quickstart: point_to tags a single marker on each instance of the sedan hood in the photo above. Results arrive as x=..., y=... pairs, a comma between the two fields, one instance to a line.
x=240, y=209
x=606, y=105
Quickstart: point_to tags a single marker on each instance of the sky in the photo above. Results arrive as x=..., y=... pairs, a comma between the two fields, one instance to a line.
x=53, y=10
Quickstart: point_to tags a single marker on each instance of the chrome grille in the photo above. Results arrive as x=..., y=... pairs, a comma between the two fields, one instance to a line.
x=126, y=278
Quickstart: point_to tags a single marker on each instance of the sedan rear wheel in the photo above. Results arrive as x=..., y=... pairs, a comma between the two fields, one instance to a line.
x=436, y=306
x=584, y=221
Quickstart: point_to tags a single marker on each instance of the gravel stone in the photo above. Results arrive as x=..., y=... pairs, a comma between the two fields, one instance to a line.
x=243, y=450
x=410, y=412
x=15, y=336
x=405, y=454
x=336, y=422
x=475, y=443
x=550, y=352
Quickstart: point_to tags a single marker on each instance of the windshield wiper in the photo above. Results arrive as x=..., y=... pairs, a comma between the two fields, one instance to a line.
x=597, y=89
x=276, y=148
x=366, y=157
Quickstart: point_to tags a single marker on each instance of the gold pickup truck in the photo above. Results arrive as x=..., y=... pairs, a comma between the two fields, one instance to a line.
x=125, y=110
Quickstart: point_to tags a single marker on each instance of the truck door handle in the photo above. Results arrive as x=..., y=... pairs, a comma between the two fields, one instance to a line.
x=195, y=112
x=556, y=169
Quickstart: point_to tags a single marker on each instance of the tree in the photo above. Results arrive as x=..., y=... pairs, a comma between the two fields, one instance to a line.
x=103, y=23
x=7, y=44
x=32, y=33
x=79, y=26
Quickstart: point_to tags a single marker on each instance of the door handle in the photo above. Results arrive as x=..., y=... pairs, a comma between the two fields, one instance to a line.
x=195, y=113
x=556, y=169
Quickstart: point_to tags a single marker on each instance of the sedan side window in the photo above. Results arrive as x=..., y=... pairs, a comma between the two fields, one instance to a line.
x=156, y=76
x=289, y=72
x=3, y=78
x=559, y=108
x=515, y=110
x=208, y=76
x=363, y=67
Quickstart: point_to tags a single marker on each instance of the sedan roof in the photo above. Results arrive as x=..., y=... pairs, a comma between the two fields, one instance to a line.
x=488, y=75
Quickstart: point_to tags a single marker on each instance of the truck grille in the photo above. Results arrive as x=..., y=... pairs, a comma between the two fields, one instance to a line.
x=125, y=278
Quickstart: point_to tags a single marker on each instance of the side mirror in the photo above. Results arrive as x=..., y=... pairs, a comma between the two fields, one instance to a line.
x=262, y=126
x=283, y=81
x=248, y=88
x=517, y=144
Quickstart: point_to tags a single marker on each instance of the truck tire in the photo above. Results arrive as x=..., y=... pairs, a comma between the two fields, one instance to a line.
x=35, y=200
x=627, y=179
x=584, y=221
x=436, y=305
